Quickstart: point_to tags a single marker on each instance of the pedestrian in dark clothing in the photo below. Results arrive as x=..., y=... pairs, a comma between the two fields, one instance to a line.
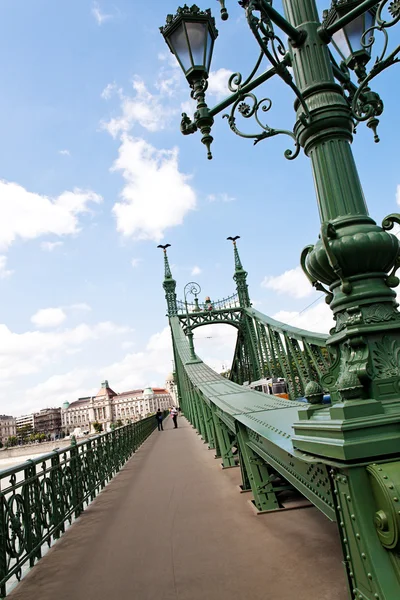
x=159, y=417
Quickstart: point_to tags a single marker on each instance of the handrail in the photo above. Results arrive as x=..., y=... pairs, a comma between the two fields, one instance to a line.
x=319, y=339
x=40, y=497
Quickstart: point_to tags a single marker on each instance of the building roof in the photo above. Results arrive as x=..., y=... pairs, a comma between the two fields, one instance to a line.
x=105, y=390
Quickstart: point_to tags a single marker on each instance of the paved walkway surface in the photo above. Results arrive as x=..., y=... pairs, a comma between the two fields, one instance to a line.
x=173, y=526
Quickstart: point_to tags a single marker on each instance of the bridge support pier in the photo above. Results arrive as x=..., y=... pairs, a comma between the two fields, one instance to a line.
x=257, y=472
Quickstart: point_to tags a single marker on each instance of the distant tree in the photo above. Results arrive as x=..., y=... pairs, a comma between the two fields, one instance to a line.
x=12, y=441
x=119, y=423
x=98, y=427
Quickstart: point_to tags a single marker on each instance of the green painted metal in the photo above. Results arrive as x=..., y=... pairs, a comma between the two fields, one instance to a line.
x=256, y=431
x=344, y=457
x=40, y=497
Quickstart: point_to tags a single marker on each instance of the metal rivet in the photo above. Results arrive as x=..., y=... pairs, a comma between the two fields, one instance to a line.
x=358, y=536
x=345, y=540
x=363, y=555
x=348, y=499
x=395, y=499
x=369, y=575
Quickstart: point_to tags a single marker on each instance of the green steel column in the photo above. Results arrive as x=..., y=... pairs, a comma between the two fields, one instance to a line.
x=210, y=424
x=224, y=443
x=205, y=420
x=257, y=472
x=353, y=257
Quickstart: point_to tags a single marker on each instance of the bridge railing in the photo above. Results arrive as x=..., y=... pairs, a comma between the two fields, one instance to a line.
x=279, y=350
x=41, y=497
x=229, y=302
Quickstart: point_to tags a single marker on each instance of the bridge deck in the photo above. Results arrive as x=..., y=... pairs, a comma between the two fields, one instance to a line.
x=172, y=526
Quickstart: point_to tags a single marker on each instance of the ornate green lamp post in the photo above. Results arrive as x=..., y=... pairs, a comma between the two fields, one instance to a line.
x=194, y=289
x=354, y=260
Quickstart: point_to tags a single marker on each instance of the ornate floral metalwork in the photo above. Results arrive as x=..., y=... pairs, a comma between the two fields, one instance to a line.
x=387, y=357
x=366, y=105
x=251, y=109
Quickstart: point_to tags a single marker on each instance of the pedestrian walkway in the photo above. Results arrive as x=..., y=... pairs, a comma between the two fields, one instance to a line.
x=172, y=525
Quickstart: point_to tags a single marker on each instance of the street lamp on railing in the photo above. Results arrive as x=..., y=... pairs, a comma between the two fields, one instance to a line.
x=194, y=289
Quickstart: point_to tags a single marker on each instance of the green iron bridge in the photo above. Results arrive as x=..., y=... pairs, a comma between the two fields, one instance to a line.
x=280, y=444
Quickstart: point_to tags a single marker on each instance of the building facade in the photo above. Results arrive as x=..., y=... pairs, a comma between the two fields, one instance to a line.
x=108, y=407
x=48, y=421
x=8, y=428
x=25, y=425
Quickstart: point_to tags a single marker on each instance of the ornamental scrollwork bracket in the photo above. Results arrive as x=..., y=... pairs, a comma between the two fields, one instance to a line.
x=366, y=105
x=187, y=125
x=314, y=282
x=251, y=109
x=328, y=232
x=387, y=224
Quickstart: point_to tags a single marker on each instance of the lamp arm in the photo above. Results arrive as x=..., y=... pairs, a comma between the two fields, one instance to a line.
x=245, y=89
x=280, y=65
x=296, y=36
x=327, y=32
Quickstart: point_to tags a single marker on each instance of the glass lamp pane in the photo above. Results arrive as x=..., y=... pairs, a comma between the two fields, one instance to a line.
x=180, y=47
x=354, y=31
x=340, y=42
x=197, y=39
x=210, y=45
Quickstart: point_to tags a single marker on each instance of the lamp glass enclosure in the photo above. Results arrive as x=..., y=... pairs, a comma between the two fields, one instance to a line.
x=352, y=41
x=190, y=37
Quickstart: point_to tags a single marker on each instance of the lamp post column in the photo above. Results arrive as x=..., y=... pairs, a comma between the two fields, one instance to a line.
x=352, y=256
x=359, y=434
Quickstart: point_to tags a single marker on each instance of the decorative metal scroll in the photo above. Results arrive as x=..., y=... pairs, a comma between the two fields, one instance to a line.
x=366, y=105
x=247, y=104
x=229, y=302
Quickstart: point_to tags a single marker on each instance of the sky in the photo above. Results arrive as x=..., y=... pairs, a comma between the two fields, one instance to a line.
x=94, y=174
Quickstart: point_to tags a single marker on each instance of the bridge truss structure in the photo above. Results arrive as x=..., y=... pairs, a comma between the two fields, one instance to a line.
x=353, y=479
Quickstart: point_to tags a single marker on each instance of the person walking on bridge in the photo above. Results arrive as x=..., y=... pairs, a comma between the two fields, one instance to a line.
x=159, y=417
x=174, y=415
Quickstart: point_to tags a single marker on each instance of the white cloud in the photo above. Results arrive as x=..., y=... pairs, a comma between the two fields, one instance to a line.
x=48, y=317
x=218, y=83
x=188, y=107
x=135, y=262
x=156, y=194
x=3, y=271
x=29, y=352
x=318, y=318
x=28, y=215
x=222, y=197
x=291, y=283
x=79, y=306
x=215, y=344
x=110, y=90
x=150, y=366
x=143, y=108
x=50, y=246
x=100, y=16
x=64, y=152
x=58, y=389
x=196, y=270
